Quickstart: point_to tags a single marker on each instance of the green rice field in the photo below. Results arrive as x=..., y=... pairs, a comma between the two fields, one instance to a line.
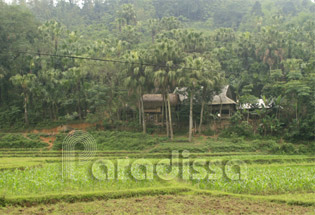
x=34, y=177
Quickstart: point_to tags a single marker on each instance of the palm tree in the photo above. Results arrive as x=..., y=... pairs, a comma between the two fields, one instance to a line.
x=136, y=79
x=270, y=47
x=26, y=82
x=211, y=83
x=154, y=25
x=192, y=71
x=127, y=12
x=165, y=54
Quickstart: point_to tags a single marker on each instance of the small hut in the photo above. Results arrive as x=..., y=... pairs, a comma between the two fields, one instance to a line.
x=223, y=105
x=153, y=106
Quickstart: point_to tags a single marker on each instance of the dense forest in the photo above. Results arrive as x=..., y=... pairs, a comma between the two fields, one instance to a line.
x=94, y=59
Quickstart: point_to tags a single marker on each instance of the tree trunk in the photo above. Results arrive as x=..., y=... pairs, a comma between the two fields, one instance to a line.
x=79, y=109
x=25, y=110
x=201, y=116
x=220, y=108
x=247, y=116
x=56, y=111
x=221, y=105
x=191, y=117
x=163, y=111
x=79, y=100
x=143, y=116
x=1, y=92
x=166, y=117
x=296, y=111
x=152, y=38
x=140, y=121
x=50, y=113
x=170, y=116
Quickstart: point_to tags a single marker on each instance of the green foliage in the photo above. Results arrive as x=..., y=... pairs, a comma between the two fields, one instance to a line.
x=243, y=129
x=266, y=180
x=48, y=180
x=115, y=140
x=266, y=145
x=265, y=48
x=286, y=148
x=90, y=196
x=236, y=118
x=20, y=141
x=208, y=132
x=10, y=117
x=304, y=131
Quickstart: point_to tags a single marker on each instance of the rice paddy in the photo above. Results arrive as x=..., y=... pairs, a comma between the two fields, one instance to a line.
x=35, y=176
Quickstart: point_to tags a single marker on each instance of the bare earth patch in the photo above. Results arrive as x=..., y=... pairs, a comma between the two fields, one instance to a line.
x=49, y=140
x=167, y=204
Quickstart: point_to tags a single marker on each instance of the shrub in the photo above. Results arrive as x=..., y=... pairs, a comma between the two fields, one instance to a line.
x=265, y=145
x=208, y=132
x=244, y=129
x=115, y=140
x=19, y=141
x=303, y=149
x=286, y=148
x=301, y=131
x=307, y=148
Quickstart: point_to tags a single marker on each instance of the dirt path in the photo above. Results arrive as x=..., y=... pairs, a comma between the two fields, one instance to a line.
x=53, y=131
x=62, y=128
x=167, y=204
x=49, y=140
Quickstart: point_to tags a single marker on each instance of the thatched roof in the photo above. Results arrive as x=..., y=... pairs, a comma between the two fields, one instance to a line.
x=224, y=97
x=260, y=103
x=156, y=100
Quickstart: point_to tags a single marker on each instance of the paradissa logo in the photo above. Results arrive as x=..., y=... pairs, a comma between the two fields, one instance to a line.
x=179, y=165
x=169, y=169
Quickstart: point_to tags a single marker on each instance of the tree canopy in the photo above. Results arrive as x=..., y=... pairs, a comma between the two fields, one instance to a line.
x=123, y=49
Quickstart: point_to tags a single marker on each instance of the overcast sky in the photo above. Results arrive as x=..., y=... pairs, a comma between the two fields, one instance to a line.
x=9, y=1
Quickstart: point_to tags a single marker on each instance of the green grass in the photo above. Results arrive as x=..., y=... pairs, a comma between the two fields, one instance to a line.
x=262, y=179
x=89, y=196
x=136, y=141
x=115, y=140
x=32, y=176
x=306, y=199
x=267, y=180
x=303, y=199
x=48, y=180
x=20, y=159
x=20, y=141
x=177, y=203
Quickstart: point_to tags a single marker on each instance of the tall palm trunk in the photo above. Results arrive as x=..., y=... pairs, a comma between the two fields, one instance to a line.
x=296, y=110
x=247, y=115
x=166, y=117
x=140, y=112
x=170, y=116
x=191, y=117
x=163, y=111
x=221, y=106
x=201, y=116
x=152, y=36
x=79, y=99
x=143, y=116
x=25, y=109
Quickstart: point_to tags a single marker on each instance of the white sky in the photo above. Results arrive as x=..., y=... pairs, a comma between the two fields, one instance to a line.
x=9, y=1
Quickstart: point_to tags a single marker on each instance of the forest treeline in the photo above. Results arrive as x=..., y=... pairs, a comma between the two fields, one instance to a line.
x=263, y=49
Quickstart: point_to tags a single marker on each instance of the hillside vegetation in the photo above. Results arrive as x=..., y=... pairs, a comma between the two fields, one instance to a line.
x=264, y=49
